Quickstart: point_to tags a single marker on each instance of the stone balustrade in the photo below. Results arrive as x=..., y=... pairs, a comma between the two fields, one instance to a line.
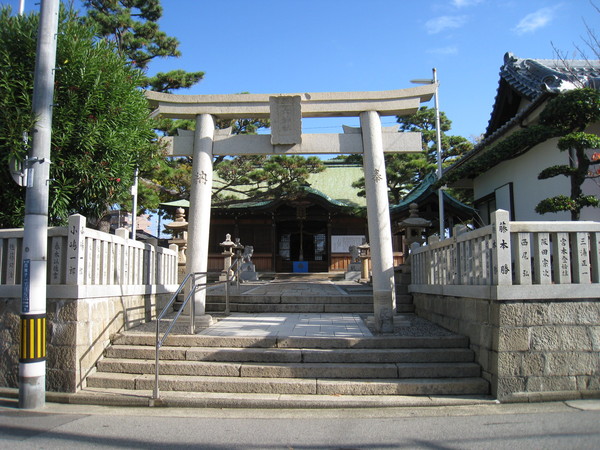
x=527, y=295
x=80, y=256
x=97, y=285
x=512, y=260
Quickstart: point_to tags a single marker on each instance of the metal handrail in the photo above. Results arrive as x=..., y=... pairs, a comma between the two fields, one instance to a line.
x=159, y=317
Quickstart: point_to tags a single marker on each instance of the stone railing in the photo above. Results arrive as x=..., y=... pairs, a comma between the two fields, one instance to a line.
x=80, y=256
x=98, y=284
x=512, y=260
x=527, y=295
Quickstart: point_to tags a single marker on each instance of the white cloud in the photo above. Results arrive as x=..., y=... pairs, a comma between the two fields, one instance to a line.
x=465, y=3
x=441, y=23
x=450, y=50
x=535, y=20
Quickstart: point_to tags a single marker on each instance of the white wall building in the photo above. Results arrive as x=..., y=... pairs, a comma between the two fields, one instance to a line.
x=525, y=87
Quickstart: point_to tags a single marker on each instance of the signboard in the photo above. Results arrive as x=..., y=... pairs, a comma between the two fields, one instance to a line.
x=341, y=244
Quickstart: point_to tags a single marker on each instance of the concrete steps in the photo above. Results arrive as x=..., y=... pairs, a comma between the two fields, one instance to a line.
x=291, y=304
x=305, y=386
x=380, y=366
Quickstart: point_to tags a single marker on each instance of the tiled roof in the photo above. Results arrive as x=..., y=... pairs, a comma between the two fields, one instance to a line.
x=532, y=77
x=533, y=80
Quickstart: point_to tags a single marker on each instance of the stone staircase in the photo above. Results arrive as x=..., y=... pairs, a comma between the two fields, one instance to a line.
x=295, y=366
x=291, y=304
x=293, y=295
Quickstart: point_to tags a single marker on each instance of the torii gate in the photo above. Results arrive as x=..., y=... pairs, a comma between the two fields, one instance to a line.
x=286, y=112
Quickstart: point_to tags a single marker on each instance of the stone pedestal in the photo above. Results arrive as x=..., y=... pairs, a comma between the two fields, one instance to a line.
x=354, y=272
x=248, y=272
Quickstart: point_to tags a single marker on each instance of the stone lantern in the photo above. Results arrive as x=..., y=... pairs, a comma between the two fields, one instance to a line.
x=178, y=229
x=364, y=253
x=227, y=253
x=414, y=229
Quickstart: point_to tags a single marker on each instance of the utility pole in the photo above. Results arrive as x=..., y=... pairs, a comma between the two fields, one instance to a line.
x=438, y=141
x=440, y=170
x=32, y=362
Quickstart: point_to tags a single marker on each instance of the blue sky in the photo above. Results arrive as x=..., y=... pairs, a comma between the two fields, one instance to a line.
x=289, y=46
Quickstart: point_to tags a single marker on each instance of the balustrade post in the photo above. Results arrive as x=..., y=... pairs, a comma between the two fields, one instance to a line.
x=501, y=254
x=12, y=261
x=173, y=274
x=595, y=256
x=523, y=258
x=416, y=265
x=56, y=260
x=562, y=258
x=431, y=261
x=76, y=250
x=542, y=261
x=581, y=259
x=122, y=257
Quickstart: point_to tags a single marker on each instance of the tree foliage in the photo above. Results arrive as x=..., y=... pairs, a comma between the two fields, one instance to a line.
x=241, y=179
x=570, y=113
x=101, y=129
x=132, y=26
x=261, y=178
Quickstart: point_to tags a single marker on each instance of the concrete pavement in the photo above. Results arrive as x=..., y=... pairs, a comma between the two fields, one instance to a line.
x=558, y=425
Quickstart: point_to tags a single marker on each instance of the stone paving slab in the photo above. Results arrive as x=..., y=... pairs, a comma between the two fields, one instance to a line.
x=290, y=325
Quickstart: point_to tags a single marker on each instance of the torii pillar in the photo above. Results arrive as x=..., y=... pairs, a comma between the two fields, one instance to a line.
x=378, y=215
x=199, y=215
x=286, y=112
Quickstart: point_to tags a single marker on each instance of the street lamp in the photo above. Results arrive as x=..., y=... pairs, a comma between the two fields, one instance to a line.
x=438, y=138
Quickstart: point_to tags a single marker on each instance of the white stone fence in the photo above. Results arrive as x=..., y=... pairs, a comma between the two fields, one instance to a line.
x=511, y=260
x=98, y=284
x=91, y=260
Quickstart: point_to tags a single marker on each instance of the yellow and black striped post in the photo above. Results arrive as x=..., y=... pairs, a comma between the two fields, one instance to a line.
x=33, y=338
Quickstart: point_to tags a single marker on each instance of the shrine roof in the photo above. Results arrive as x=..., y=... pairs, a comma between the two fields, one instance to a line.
x=423, y=191
x=334, y=185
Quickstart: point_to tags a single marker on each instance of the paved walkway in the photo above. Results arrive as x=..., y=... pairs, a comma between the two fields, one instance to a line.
x=281, y=324
x=293, y=324
x=295, y=286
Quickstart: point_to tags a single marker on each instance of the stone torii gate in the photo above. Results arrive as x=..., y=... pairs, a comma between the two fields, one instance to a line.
x=286, y=112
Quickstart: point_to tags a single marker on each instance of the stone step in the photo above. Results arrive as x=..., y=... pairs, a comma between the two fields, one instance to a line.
x=290, y=299
x=307, y=355
x=311, y=386
x=375, y=342
x=292, y=370
x=291, y=307
x=178, y=399
x=404, y=309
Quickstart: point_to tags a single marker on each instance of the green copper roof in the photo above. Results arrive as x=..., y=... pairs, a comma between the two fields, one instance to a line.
x=334, y=185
